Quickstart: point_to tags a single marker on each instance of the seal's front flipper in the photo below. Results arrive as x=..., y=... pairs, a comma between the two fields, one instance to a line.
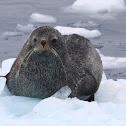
x=84, y=98
x=90, y=99
x=85, y=88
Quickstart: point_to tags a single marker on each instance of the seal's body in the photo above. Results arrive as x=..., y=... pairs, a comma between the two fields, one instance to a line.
x=84, y=68
x=48, y=61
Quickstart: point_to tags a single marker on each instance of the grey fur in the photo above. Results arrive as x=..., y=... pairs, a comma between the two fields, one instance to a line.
x=40, y=72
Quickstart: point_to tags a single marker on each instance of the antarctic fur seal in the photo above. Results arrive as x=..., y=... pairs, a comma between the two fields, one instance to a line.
x=84, y=67
x=48, y=61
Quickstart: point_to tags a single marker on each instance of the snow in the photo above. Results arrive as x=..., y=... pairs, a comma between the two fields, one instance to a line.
x=25, y=28
x=112, y=91
x=81, y=31
x=97, y=6
x=108, y=109
x=72, y=112
x=2, y=84
x=41, y=18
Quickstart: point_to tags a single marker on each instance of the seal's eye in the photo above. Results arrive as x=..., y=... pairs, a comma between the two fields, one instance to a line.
x=54, y=40
x=35, y=39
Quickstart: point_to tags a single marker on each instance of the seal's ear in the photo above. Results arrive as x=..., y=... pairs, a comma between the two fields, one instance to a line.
x=5, y=75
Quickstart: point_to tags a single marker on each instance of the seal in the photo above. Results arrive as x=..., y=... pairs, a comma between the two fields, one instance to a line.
x=48, y=61
x=84, y=67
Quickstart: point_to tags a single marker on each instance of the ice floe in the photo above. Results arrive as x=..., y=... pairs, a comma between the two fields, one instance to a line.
x=85, y=24
x=112, y=91
x=6, y=66
x=41, y=18
x=81, y=31
x=102, y=6
x=113, y=62
x=25, y=28
x=12, y=34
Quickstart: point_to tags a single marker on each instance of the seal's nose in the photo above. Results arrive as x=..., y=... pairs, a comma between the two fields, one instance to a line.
x=43, y=43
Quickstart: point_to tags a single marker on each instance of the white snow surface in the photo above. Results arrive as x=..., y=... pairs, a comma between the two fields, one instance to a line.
x=92, y=6
x=108, y=109
x=41, y=18
x=80, y=31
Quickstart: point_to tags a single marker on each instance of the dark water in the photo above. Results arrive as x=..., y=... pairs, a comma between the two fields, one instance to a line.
x=113, y=27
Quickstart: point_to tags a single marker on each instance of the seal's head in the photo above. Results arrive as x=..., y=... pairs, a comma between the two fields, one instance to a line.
x=46, y=39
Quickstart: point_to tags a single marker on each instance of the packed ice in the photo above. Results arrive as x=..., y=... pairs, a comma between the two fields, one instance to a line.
x=102, y=6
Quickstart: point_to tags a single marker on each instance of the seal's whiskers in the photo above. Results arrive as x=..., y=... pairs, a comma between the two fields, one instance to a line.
x=27, y=55
x=54, y=52
x=57, y=55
